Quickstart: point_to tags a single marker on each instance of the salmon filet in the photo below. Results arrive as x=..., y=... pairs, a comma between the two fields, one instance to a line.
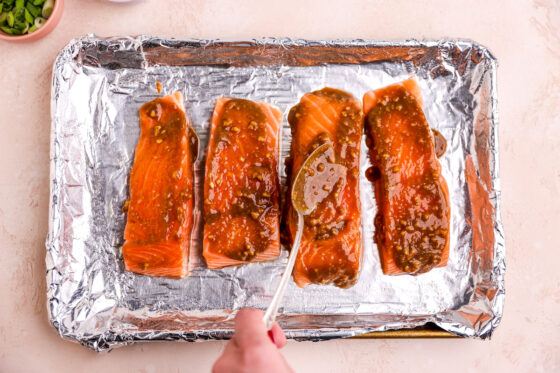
x=412, y=222
x=241, y=190
x=331, y=246
x=160, y=208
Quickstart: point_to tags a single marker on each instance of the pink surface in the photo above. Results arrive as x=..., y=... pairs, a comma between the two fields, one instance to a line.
x=526, y=39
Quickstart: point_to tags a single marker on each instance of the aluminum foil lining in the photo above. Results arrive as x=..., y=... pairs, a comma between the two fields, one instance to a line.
x=100, y=83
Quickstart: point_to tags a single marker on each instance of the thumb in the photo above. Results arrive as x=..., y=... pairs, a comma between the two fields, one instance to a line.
x=249, y=327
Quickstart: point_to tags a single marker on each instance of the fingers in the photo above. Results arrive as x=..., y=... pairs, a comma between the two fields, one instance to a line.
x=277, y=335
x=249, y=327
x=253, y=348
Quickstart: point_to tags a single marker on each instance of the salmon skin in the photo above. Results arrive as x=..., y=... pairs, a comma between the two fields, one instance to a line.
x=160, y=208
x=412, y=222
x=241, y=190
x=331, y=246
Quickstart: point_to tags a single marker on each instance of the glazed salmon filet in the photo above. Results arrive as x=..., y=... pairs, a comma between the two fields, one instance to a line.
x=160, y=219
x=241, y=191
x=412, y=223
x=331, y=246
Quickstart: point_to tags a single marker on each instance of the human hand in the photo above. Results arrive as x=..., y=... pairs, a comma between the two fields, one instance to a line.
x=253, y=349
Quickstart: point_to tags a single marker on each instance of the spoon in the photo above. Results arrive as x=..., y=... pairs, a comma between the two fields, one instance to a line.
x=313, y=183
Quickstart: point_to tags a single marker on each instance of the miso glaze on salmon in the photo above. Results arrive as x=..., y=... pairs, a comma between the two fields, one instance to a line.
x=241, y=189
x=160, y=208
x=331, y=246
x=412, y=222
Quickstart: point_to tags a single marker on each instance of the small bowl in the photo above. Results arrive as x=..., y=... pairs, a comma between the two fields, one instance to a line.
x=44, y=30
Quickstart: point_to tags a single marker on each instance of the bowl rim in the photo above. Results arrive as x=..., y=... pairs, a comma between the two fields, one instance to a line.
x=58, y=4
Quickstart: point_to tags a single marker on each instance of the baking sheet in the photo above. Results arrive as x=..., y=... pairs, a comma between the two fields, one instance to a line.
x=99, y=85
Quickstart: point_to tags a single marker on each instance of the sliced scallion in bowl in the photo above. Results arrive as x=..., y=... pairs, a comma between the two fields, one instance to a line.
x=20, y=17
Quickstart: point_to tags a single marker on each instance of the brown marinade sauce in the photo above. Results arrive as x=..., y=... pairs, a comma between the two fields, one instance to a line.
x=413, y=215
x=256, y=195
x=331, y=245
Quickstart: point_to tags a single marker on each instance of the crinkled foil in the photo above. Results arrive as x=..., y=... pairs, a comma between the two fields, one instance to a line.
x=99, y=85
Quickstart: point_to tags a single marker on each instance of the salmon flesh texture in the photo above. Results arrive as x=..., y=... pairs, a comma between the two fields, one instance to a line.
x=412, y=222
x=160, y=208
x=331, y=246
x=241, y=191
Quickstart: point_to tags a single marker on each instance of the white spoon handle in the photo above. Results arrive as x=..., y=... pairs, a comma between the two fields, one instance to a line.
x=272, y=310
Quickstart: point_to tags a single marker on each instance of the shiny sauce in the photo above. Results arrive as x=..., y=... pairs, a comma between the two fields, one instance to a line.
x=316, y=179
x=330, y=252
x=241, y=191
x=413, y=218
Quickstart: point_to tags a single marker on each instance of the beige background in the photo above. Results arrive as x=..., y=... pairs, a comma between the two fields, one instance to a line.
x=524, y=35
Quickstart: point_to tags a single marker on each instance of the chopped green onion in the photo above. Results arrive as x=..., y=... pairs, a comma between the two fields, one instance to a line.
x=18, y=17
x=39, y=22
x=35, y=11
x=10, y=19
x=28, y=17
x=48, y=8
x=7, y=30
